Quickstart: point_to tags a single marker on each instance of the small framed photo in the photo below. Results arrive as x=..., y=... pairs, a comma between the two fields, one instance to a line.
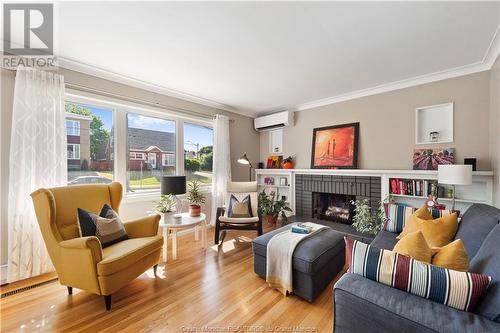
x=269, y=181
x=272, y=191
x=283, y=181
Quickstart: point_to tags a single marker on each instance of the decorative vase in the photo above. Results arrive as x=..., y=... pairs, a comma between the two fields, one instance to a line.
x=288, y=165
x=194, y=210
x=168, y=217
x=434, y=136
x=271, y=219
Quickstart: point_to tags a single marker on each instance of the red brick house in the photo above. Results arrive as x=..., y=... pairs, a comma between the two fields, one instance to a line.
x=150, y=150
x=78, y=140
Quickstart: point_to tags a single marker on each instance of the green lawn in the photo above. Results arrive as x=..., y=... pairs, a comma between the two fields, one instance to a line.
x=204, y=177
x=146, y=181
x=105, y=174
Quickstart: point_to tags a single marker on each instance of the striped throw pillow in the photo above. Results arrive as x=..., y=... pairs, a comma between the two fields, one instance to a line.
x=460, y=290
x=437, y=213
x=396, y=216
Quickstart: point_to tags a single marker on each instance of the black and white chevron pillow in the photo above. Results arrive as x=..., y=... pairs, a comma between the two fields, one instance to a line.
x=107, y=226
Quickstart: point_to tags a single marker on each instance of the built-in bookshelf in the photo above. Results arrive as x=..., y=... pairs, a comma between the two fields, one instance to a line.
x=480, y=191
x=277, y=182
x=413, y=187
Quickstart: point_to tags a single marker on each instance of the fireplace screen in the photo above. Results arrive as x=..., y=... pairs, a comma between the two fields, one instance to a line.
x=333, y=207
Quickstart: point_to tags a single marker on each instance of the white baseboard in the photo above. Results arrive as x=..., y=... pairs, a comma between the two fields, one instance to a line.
x=3, y=274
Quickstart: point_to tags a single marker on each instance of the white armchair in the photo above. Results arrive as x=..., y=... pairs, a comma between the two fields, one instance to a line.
x=224, y=222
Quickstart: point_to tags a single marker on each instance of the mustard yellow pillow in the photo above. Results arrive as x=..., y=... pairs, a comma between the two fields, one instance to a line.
x=415, y=246
x=453, y=256
x=421, y=213
x=438, y=232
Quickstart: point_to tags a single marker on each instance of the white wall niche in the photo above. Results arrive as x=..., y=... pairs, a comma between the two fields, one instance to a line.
x=435, y=118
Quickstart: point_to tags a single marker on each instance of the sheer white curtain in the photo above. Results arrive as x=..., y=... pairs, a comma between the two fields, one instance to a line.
x=37, y=159
x=221, y=162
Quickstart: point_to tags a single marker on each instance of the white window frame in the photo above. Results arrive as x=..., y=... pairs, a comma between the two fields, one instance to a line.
x=165, y=159
x=75, y=130
x=135, y=154
x=120, y=109
x=75, y=145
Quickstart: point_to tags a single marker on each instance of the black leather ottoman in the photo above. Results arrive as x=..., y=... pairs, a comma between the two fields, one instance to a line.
x=316, y=260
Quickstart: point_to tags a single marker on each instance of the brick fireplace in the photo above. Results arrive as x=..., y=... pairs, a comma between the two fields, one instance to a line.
x=328, y=197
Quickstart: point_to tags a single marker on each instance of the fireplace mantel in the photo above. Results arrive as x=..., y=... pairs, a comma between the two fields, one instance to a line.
x=481, y=190
x=366, y=172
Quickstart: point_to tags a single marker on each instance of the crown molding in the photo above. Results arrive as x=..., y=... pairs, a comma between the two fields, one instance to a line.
x=485, y=64
x=80, y=67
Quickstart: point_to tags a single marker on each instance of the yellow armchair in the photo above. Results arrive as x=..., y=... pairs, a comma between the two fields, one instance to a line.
x=81, y=262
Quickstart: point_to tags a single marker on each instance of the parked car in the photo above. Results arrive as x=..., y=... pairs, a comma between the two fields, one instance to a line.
x=90, y=180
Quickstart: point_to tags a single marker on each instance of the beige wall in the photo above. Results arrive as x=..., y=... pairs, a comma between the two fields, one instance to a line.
x=387, y=123
x=495, y=128
x=242, y=135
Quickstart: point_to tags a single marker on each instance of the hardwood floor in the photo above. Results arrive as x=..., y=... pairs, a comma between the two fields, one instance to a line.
x=212, y=289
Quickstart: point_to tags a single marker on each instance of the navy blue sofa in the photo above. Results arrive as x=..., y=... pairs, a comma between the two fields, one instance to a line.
x=362, y=305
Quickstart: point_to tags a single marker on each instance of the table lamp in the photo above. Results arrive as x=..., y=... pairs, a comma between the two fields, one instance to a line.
x=244, y=160
x=454, y=174
x=174, y=185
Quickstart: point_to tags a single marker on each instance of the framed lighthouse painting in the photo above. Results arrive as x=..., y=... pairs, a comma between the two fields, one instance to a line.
x=335, y=147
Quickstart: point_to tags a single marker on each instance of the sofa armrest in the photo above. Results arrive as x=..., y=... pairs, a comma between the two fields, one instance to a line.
x=143, y=227
x=363, y=305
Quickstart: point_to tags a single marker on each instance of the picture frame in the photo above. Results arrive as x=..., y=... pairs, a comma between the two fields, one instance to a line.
x=283, y=181
x=269, y=180
x=335, y=147
x=430, y=158
x=272, y=191
x=274, y=161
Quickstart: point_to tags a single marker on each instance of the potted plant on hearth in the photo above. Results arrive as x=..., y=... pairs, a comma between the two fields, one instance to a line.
x=271, y=208
x=366, y=219
x=195, y=198
x=166, y=207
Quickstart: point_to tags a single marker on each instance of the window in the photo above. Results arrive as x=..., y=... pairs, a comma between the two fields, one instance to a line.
x=90, y=144
x=155, y=137
x=168, y=159
x=73, y=127
x=198, y=154
x=136, y=156
x=73, y=151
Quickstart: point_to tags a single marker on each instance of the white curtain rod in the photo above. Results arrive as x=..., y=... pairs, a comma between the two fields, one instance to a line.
x=157, y=105
x=136, y=100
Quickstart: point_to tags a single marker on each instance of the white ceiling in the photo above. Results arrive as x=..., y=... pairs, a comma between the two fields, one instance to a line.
x=265, y=56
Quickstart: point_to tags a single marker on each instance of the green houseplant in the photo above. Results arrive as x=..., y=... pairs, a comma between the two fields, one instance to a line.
x=195, y=198
x=366, y=219
x=166, y=207
x=271, y=208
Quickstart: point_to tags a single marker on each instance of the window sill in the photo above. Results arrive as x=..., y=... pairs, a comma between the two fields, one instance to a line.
x=152, y=196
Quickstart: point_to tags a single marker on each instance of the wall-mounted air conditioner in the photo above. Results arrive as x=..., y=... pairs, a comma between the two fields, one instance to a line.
x=273, y=121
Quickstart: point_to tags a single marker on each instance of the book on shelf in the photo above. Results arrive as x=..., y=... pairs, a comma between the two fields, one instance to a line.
x=412, y=187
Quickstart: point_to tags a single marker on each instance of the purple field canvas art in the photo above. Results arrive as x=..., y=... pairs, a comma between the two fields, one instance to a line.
x=429, y=159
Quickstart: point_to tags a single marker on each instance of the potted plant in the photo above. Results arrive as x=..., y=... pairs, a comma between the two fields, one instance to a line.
x=272, y=208
x=366, y=219
x=166, y=207
x=287, y=163
x=195, y=198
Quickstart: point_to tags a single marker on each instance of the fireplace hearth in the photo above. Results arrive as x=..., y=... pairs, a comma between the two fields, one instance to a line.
x=333, y=207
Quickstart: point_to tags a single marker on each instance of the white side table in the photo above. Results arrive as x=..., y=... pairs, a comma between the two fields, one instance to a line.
x=186, y=222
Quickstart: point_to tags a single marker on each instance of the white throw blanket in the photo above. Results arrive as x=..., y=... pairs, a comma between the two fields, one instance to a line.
x=279, y=257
